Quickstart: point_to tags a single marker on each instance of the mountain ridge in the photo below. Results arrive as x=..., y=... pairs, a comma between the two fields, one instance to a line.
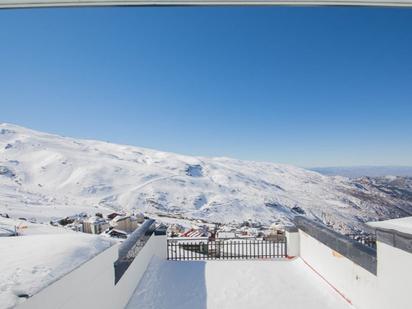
x=46, y=175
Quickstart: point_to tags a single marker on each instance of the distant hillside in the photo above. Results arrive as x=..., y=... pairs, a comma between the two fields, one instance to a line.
x=44, y=176
x=369, y=171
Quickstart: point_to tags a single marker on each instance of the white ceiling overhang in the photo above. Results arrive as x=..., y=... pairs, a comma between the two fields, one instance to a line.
x=57, y=3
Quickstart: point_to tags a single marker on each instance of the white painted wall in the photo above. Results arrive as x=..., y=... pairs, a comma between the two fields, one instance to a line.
x=388, y=289
x=156, y=246
x=394, y=277
x=91, y=285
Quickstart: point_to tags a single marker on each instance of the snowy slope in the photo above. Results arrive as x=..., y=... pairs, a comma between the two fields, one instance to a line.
x=44, y=176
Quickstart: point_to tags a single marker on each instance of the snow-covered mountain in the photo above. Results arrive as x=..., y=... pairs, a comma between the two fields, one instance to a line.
x=45, y=176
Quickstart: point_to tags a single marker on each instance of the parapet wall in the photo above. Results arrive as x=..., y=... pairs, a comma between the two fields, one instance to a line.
x=366, y=279
x=156, y=246
x=92, y=285
x=351, y=249
x=395, y=239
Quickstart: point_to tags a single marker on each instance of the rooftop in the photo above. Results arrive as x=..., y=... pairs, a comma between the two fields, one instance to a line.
x=309, y=267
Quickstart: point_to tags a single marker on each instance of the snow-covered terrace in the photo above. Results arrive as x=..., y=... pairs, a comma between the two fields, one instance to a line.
x=287, y=284
x=322, y=270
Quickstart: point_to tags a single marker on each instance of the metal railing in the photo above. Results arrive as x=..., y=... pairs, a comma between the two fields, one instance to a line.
x=181, y=249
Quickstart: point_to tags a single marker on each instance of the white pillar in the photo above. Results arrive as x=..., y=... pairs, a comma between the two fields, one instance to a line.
x=293, y=241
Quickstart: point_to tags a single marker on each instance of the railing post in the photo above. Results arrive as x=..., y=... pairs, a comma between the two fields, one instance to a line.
x=286, y=247
x=292, y=241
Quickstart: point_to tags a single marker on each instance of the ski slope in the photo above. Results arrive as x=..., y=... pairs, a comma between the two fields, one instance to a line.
x=44, y=176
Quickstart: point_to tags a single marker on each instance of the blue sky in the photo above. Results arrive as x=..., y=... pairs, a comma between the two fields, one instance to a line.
x=306, y=86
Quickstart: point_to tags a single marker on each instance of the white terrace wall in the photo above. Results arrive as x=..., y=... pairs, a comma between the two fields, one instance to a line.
x=91, y=285
x=355, y=283
x=394, y=277
x=156, y=246
x=389, y=288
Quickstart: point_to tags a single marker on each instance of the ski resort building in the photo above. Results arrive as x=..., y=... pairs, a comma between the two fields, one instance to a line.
x=196, y=232
x=95, y=225
x=312, y=267
x=126, y=223
x=111, y=232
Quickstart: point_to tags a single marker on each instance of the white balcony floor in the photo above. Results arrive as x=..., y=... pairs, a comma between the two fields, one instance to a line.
x=288, y=284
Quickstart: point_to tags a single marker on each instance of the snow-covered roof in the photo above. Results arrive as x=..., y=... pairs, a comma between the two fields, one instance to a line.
x=121, y=218
x=111, y=231
x=403, y=225
x=30, y=263
x=95, y=219
x=195, y=233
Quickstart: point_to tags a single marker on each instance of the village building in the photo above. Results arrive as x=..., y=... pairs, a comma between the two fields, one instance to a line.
x=139, y=217
x=125, y=223
x=115, y=233
x=175, y=230
x=75, y=226
x=114, y=215
x=194, y=232
x=95, y=225
x=226, y=235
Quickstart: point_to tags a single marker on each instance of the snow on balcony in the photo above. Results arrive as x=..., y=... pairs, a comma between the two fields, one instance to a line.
x=32, y=262
x=286, y=284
